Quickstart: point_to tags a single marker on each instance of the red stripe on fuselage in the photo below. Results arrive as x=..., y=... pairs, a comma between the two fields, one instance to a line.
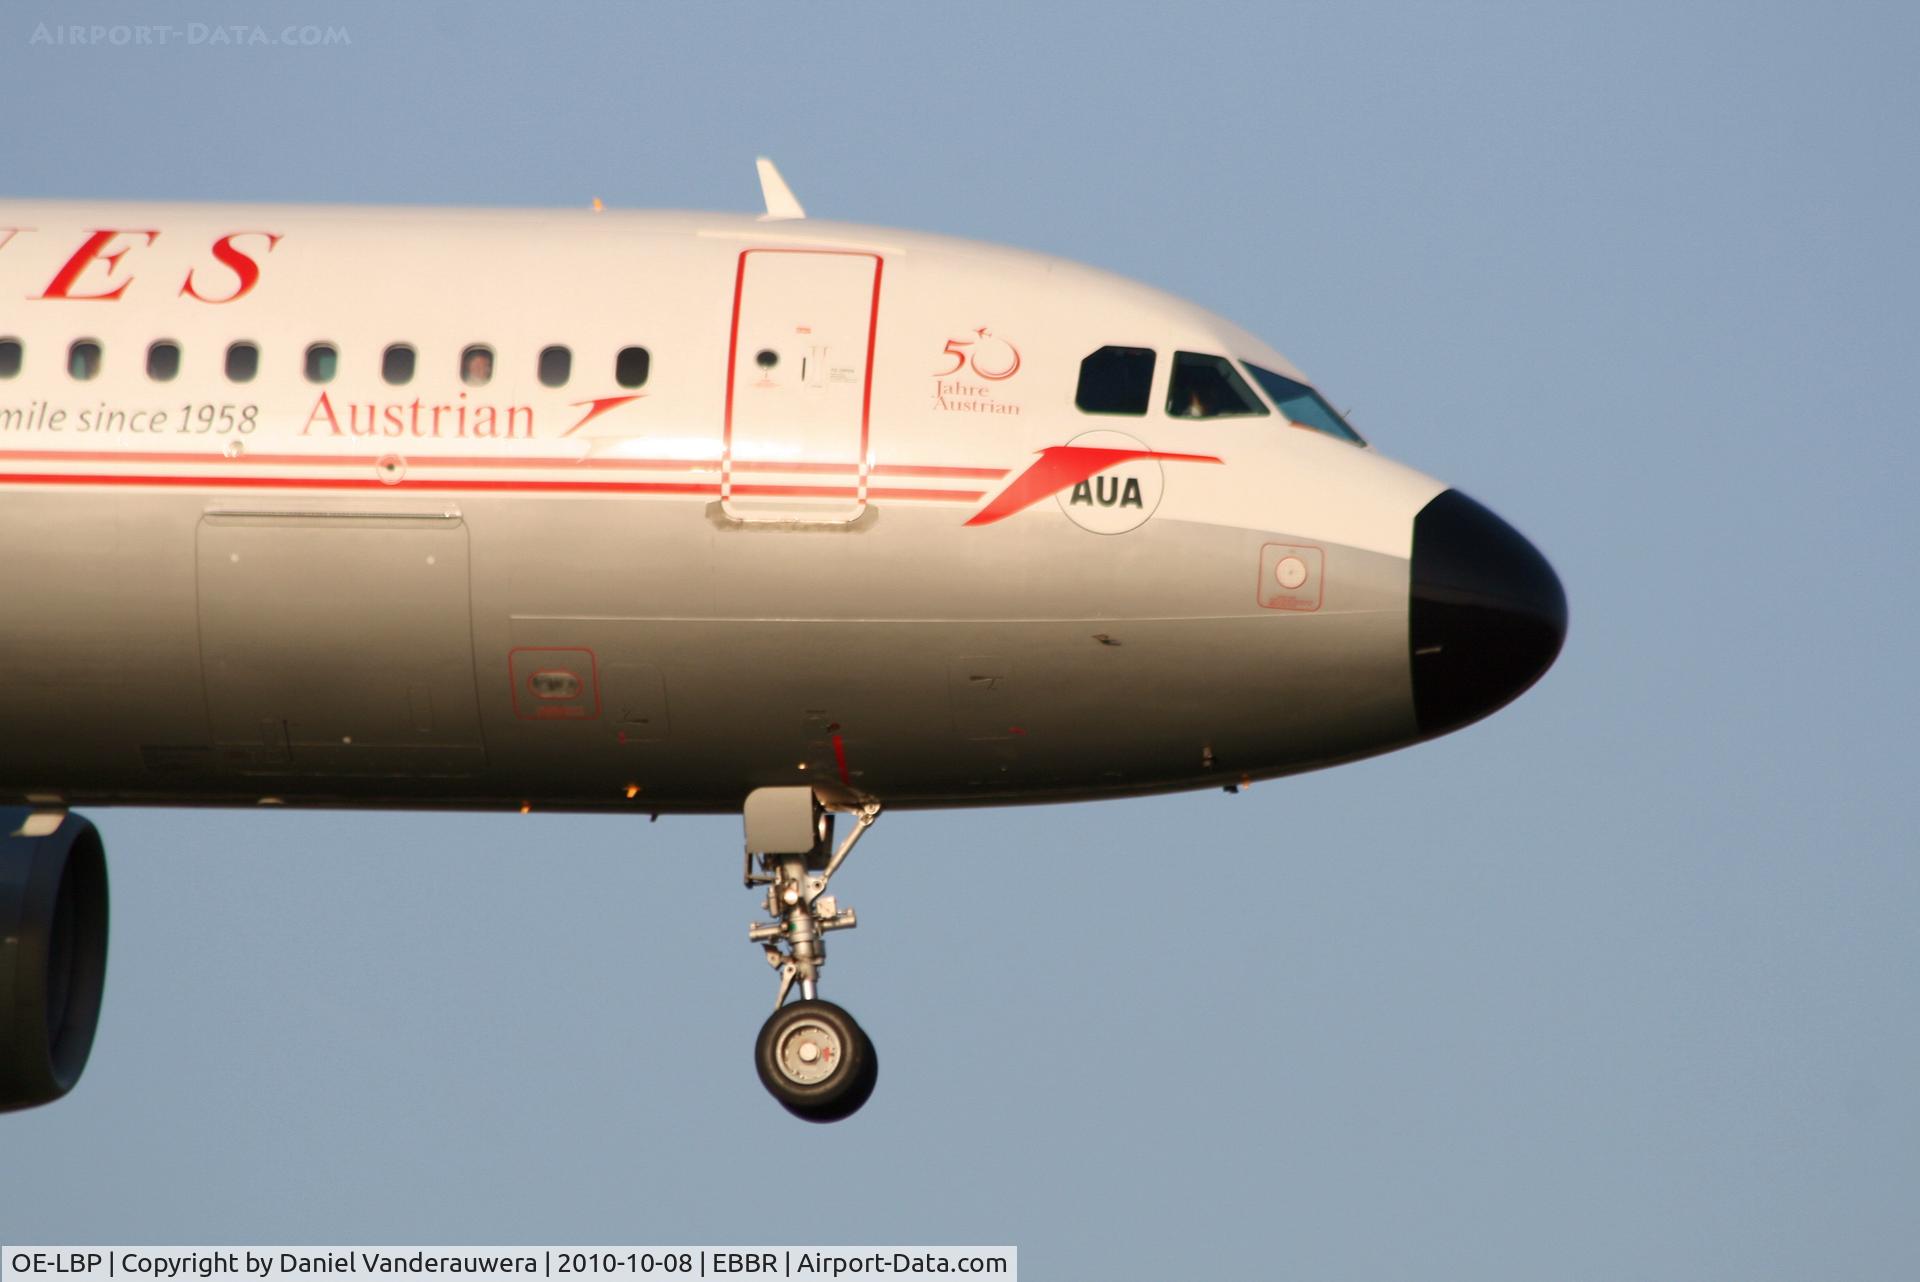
x=479, y=485
x=185, y=457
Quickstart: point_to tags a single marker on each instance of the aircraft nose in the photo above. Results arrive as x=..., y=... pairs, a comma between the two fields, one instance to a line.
x=1486, y=613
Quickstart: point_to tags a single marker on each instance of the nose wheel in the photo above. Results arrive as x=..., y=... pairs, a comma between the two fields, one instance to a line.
x=816, y=1061
x=811, y=1056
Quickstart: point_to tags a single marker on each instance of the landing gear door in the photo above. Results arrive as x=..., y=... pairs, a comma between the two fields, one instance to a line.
x=800, y=385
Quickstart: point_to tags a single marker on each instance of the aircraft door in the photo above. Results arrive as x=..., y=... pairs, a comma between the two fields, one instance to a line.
x=800, y=385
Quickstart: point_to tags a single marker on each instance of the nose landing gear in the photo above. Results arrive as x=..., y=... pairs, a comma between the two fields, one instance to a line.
x=811, y=1055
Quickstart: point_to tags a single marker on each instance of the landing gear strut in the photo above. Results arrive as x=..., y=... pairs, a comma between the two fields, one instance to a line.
x=812, y=1057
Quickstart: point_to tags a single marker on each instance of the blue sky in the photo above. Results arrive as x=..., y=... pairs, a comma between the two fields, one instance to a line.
x=1616, y=984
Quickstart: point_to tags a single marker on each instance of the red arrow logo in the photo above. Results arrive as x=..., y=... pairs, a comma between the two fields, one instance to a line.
x=1060, y=467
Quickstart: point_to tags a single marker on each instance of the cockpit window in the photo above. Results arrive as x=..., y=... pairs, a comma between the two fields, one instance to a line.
x=1207, y=387
x=1303, y=406
x=1116, y=380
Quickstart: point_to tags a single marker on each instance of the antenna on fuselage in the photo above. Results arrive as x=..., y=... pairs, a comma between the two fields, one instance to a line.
x=781, y=205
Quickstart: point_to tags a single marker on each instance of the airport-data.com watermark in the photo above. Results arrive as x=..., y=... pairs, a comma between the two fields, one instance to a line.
x=188, y=35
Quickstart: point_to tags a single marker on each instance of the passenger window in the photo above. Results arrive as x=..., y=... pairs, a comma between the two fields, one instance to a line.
x=476, y=366
x=1302, y=406
x=83, y=359
x=322, y=363
x=630, y=367
x=163, y=362
x=10, y=352
x=243, y=362
x=397, y=365
x=1208, y=387
x=1116, y=380
x=556, y=366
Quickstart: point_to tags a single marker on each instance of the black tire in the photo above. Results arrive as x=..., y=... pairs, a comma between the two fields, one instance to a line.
x=53, y=965
x=811, y=1091
x=863, y=1090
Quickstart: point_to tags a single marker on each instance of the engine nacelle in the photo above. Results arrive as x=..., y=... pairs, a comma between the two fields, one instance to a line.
x=53, y=956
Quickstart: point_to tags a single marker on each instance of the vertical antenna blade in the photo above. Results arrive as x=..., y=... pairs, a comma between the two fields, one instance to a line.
x=781, y=204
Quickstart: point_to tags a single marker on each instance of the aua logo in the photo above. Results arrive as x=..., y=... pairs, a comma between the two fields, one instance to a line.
x=1106, y=482
x=1121, y=497
x=1108, y=491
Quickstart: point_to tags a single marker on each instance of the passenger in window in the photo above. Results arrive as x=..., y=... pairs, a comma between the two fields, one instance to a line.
x=323, y=361
x=476, y=368
x=83, y=360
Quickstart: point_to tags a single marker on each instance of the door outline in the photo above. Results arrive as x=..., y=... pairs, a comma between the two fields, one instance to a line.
x=861, y=466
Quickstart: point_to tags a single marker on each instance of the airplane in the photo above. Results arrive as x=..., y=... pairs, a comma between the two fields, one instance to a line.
x=664, y=513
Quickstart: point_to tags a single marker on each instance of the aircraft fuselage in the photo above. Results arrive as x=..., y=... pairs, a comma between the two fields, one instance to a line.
x=858, y=513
